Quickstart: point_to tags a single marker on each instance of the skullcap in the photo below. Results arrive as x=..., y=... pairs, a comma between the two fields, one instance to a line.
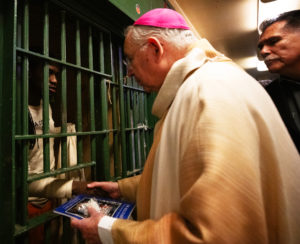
x=163, y=18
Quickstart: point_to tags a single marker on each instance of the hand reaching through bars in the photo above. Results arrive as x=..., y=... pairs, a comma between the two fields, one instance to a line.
x=110, y=188
x=81, y=187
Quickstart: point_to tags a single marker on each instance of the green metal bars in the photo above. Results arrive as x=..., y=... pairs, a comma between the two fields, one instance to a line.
x=110, y=112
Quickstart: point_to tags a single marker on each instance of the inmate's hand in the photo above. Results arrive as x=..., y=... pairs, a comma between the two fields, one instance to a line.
x=112, y=188
x=89, y=226
x=80, y=187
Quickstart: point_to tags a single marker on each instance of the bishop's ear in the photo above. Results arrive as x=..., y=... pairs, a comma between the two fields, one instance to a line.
x=156, y=46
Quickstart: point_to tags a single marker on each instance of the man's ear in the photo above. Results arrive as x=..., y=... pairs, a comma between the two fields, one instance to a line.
x=157, y=47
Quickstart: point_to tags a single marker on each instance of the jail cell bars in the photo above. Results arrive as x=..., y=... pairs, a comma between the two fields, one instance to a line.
x=109, y=112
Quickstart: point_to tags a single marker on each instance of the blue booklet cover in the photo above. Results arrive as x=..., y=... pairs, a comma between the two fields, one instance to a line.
x=77, y=207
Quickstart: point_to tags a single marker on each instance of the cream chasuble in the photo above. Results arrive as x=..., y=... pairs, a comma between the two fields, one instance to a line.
x=222, y=169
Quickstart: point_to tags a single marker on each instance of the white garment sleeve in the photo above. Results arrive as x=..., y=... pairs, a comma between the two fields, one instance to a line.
x=51, y=188
x=104, y=229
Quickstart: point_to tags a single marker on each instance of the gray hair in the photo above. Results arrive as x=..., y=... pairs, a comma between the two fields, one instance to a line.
x=292, y=19
x=178, y=38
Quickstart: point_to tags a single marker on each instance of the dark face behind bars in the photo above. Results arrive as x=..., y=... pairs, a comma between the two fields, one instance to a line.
x=36, y=82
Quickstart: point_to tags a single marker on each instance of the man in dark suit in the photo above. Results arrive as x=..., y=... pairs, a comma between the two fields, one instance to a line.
x=279, y=45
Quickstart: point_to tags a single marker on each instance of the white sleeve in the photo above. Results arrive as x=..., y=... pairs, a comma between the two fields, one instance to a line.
x=104, y=229
x=51, y=188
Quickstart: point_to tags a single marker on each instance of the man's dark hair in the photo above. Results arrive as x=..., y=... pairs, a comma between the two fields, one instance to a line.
x=292, y=19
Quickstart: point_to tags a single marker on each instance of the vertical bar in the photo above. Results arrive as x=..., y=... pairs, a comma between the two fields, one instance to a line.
x=66, y=231
x=46, y=144
x=19, y=68
x=147, y=136
x=78, y=94
x=24, y=144
x=8, y=10
x=151, y=119
x=142, y=131
x=136, y=132
x=114, y=119
x=114, y=116
x=46, y=90
x=122, y=115
x=130, y=151
x=17, y=121
x=117, y=163
x=91, y=94
x=63, y=91
x=103, y=169
x=47, y=233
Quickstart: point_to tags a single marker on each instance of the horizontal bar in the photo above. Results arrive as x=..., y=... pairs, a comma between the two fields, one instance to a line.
x=61, y=62
x=128, y=174
x=134, y=88
x=26, y=137
x=20, y=229
x=133, y=172
x=59, y=171
x=137, y=128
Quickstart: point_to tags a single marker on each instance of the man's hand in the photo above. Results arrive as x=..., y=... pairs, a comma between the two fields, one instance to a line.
x=89, y=226
x=80, y=187
x=111, y=188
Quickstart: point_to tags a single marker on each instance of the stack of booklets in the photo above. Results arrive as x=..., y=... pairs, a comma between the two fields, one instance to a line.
x=77, y=207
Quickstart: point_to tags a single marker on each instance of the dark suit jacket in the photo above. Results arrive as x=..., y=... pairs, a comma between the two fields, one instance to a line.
x=285, y=93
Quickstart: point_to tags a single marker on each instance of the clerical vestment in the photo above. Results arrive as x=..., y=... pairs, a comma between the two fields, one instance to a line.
x=222, y=168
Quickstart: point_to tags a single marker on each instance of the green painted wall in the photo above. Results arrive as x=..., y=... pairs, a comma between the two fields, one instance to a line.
x=135, y=8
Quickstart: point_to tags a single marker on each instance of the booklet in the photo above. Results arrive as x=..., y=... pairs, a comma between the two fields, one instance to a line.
x=77, y=207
